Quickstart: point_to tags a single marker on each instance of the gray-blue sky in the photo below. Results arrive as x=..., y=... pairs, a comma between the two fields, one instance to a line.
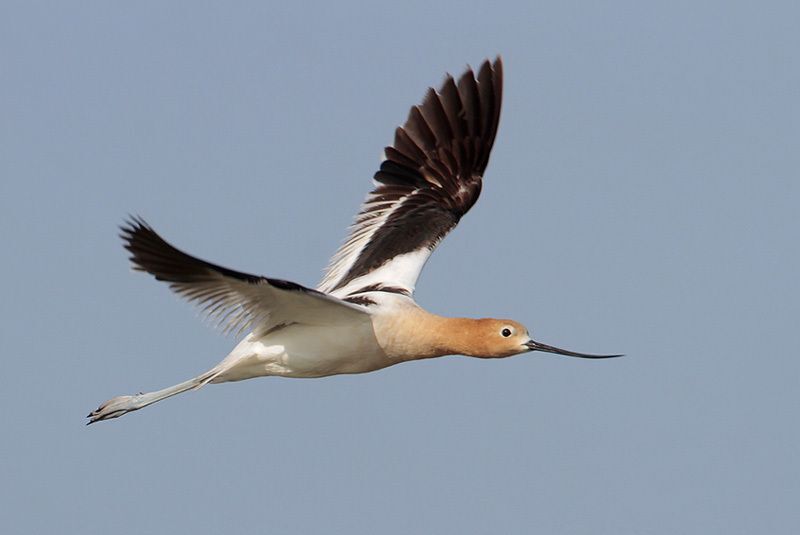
x=642, y=198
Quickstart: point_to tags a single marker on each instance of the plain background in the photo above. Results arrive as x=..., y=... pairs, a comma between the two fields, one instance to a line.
x=642, y=198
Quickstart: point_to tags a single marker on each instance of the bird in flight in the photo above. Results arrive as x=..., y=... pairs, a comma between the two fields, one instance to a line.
x=362, y=317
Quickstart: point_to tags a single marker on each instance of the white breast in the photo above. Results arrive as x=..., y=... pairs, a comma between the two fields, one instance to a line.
x=305, y=351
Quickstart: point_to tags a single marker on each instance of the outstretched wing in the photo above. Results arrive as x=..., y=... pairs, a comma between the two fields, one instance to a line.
x=234, y=301
x=430, y=178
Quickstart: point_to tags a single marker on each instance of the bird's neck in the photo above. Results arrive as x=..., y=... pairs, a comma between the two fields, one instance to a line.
x=418, y=334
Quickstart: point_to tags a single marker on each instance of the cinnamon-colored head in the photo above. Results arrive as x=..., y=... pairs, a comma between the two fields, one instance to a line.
x=496, y=338
x=493, y=338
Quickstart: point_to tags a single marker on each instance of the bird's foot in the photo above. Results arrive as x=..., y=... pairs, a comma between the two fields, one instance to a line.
x=114, y=408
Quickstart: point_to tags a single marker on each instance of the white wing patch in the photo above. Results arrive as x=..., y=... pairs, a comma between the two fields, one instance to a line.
x=371, y=217
x=401, y=271
x=238, y=306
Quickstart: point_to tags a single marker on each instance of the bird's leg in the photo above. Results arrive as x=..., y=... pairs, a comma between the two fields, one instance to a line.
x=116, y=407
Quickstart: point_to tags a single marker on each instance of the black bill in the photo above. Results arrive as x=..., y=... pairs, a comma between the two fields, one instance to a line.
x=536, y=346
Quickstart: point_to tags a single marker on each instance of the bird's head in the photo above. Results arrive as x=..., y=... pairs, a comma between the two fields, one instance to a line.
x=498, y=338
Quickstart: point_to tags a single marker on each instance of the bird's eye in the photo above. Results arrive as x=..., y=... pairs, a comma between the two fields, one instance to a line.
x=506, y=332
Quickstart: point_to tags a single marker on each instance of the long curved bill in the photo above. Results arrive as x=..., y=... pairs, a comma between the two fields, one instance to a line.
x=533, y=345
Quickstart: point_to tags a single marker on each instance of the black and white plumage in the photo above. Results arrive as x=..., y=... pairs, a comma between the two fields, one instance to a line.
x=233, y=300
x=430, y=178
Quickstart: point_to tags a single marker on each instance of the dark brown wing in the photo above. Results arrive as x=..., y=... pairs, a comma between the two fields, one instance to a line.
x=431, y=177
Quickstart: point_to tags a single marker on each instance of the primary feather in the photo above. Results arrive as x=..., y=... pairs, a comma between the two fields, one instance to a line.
x=430, y=178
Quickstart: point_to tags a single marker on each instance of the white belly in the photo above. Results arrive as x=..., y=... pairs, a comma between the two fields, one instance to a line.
x=304, y=351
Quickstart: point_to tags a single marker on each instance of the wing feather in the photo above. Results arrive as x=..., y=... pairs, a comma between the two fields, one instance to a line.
x=430, y=178
x=235, y=301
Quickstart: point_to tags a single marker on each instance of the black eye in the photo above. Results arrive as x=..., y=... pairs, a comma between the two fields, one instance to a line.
x=506, y=332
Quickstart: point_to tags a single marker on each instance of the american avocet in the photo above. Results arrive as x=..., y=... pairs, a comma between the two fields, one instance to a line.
x=362, y=316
